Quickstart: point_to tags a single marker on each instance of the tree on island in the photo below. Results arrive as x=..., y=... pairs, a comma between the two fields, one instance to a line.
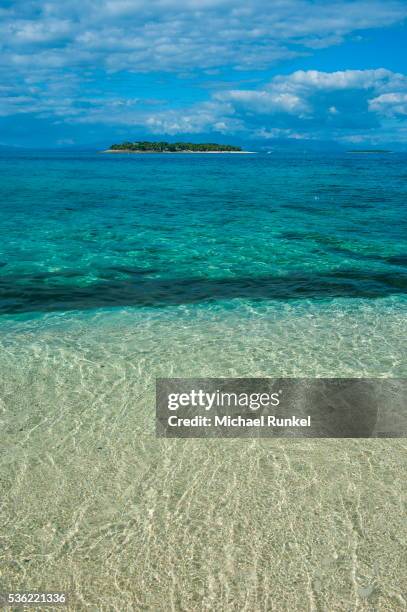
x=171, y=147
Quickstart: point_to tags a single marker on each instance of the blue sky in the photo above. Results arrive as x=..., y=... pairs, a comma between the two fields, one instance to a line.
x=77, y=72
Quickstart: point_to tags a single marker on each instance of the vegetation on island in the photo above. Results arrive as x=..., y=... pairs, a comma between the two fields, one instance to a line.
x=171, y=147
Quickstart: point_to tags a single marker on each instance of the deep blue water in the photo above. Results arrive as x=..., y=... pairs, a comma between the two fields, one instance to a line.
x=87, y=230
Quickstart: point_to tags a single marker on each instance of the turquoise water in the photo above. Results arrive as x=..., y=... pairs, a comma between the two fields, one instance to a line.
x=86, y=231
x=118, y=269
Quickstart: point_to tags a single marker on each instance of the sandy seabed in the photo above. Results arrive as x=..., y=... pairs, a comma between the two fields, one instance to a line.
x=92, y=503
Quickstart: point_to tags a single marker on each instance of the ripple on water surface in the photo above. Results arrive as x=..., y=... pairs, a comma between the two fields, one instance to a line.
x=91, y=498
x=268, y=266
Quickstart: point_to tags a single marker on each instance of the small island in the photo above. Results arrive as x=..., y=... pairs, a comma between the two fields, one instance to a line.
x=368, y=151
x=146, y=146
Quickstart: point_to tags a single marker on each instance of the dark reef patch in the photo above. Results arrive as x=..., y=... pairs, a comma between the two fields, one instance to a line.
x=45, y=293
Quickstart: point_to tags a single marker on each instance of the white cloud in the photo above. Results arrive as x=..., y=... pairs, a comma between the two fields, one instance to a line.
x=312, y=104
x=293, y=106
x=182, y=34
x=30, y=32
x=341, y=97
x=273, y=133
x=265, y=101
x=303, y=81
x=303, y=104
x=57, y=53
x=390, y=104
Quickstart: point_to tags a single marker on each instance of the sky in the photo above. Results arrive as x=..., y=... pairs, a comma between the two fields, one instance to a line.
x=92, y=72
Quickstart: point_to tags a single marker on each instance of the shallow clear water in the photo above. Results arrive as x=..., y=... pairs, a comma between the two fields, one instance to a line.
x=95, y=230
x=118, y=270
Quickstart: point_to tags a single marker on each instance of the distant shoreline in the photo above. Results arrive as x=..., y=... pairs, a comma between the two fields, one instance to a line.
x=178, y=152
